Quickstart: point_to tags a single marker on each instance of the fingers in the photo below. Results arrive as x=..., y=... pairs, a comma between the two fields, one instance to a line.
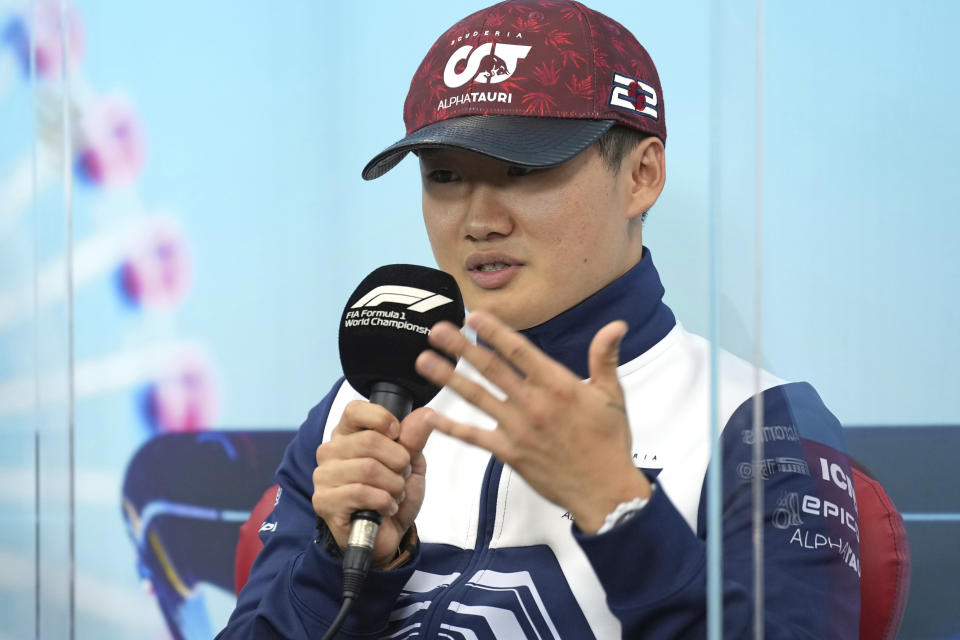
x=446, y=337
x=365, y=471
x=603, y=357
x=415, y=430
x=372, y=462
x=365, y=444
x=360, y=415
x=439, y=371
x=336, y=504
x=351, y=474
x=491, y=440
x=516, y=348
x=361, y=467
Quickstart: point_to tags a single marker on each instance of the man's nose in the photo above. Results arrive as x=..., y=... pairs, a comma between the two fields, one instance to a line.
x=487, y=216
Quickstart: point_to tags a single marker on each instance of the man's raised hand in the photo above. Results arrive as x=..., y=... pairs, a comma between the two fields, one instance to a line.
x=569, y=440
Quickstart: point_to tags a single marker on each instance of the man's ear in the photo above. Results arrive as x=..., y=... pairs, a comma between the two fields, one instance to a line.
x=646, y=170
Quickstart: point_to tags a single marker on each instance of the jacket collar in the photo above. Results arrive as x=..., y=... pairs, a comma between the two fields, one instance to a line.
x=636, y=296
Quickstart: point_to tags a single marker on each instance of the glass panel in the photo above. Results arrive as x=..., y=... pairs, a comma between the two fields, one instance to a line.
x=36, y=472
x=737, y=481
x=860, y=261
x=19, y=415
x=850, y=197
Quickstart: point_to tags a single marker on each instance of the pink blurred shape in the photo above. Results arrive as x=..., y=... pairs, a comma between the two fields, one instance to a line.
x=185, y=398
x=112, y=148
x=48, y=25
x=157, y=271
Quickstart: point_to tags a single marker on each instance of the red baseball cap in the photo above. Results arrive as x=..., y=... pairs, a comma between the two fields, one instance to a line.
x=531, y=82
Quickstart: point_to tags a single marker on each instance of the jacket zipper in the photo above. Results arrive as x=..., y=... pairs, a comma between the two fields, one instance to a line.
x=485, y=524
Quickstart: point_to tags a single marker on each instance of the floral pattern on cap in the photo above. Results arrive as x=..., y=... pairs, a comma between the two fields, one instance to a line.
x=543, y=58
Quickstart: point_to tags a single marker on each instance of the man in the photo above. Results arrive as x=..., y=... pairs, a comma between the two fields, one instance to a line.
x=539, y=128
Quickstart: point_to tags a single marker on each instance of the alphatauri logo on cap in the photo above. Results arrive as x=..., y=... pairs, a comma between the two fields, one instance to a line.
x=490, y=63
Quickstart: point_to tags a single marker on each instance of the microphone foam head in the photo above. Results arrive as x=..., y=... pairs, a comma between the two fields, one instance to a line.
x=386, y=322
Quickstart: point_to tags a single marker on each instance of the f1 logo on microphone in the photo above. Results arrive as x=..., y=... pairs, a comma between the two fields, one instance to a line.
x=419, y=300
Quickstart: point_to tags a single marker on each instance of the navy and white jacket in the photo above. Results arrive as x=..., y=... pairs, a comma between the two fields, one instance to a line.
x=496, y=560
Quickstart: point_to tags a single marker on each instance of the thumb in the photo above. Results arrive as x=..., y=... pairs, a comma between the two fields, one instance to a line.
x=603, y=357
x=415, y=429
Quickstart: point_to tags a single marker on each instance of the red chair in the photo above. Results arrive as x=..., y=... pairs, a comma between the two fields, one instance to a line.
x=884, y=559
x=249, y=545
x=884, y=555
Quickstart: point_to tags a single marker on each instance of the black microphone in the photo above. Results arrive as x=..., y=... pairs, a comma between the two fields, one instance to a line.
x=383, y=329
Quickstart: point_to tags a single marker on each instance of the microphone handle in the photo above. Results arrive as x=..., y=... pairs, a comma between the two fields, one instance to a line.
x=364, y=523
x=393, y=398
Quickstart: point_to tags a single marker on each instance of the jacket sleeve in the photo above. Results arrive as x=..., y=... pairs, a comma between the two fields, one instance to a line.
x=810, y=537
x=295, y=585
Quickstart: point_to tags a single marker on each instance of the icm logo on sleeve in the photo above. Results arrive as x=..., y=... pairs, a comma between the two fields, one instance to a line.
x=633, y=95
x=419, y=300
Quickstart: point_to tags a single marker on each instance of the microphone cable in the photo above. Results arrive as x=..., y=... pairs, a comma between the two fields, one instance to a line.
x=356, y=562
x=341, y=616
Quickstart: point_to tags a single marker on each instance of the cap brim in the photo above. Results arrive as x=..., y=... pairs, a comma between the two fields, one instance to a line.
x=521, y=140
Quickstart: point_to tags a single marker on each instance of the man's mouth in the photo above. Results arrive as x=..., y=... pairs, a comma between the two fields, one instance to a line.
x=493, y=266
x=492, y=271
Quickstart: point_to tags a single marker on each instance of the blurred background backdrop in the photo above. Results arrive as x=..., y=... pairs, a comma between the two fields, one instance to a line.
x=182, y=218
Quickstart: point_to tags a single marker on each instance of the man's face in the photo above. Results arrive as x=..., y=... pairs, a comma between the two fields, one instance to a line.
x=527, y=244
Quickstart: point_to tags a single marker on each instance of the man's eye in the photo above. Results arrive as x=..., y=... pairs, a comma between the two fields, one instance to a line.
x=515, y=171
x=442, y=176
